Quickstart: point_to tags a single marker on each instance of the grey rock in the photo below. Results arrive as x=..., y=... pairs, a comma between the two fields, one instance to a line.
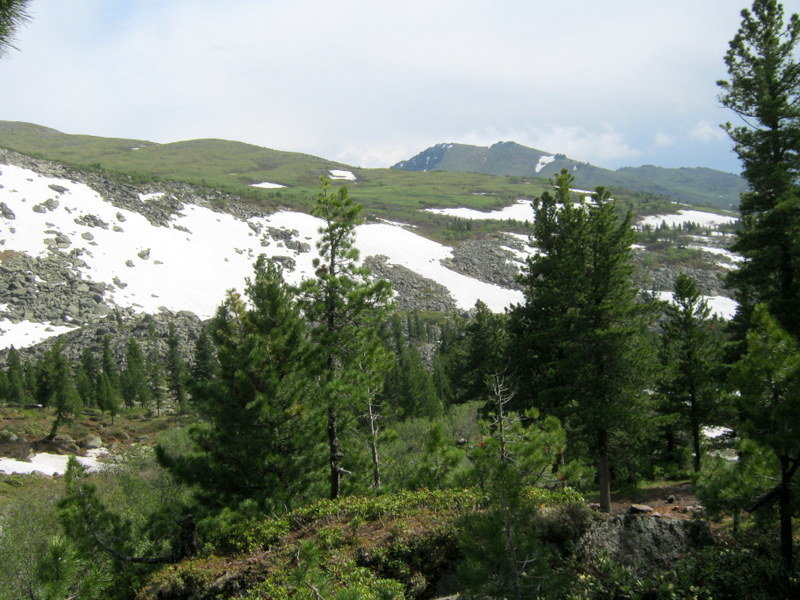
x=642, y=542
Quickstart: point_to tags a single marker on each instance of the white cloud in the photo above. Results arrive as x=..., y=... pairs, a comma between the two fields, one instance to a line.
x=663, y=140
x=373, y=81
x=706, y=132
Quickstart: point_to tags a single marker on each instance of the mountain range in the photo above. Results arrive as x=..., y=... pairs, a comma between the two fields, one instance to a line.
x=691, y=185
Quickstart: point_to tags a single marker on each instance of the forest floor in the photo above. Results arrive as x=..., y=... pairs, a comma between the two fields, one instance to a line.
x=675, y=500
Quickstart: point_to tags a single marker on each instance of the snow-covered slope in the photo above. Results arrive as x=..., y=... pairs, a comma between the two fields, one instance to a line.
x=191, y=262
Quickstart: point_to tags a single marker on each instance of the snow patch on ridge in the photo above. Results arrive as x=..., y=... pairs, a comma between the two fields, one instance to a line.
x=339, y=174
x=543, y=162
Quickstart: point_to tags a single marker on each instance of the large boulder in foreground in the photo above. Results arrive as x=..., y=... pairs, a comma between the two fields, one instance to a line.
x=642, y=542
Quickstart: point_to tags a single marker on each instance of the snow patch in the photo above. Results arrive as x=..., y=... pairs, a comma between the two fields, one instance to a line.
x=720, y=306
x=543, y=162
x=27, y=333
x=521, y=210
x=153, y=196
x=345, y=175
x=702, y=218
x=267, y=185
x=51, y=464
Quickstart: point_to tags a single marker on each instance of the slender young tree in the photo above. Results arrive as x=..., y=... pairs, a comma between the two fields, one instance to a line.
x=763, y=89
x=345, y=306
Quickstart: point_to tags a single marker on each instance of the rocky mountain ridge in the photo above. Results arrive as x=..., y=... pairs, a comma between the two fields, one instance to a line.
x=701, y=186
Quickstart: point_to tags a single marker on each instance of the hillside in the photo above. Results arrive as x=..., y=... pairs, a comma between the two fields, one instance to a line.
x=690, y=185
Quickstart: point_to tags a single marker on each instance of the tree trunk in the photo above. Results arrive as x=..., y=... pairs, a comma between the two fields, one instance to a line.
x=373, y=432
x=603, y=471
x=335, y=453
x=786, y=514
x=696, y=446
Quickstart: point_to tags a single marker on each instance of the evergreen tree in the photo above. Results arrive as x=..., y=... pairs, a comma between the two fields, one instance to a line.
x=157, y=383
x=108, y=398
x=257, y=438
x=18, y=391
x=134, y=380
x=86, y=377
x=57, y=386
x=345, y=307
x=13, y=13
x=580, y=342
x=486, y=346
x=205, y=368
x=177, y=370
x=690, y=356
x=109, y=364
x=764, y=90
x=768, y=380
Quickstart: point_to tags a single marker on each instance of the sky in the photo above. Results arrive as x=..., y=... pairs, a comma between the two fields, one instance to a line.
x=372, y=82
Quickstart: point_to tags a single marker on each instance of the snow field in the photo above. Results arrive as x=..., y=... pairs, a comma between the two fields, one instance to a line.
x=521, y=210
x=719, y=305
x=50, y=464
x=267, y=185
x=27, y=333
x=702, y=218
x=193, y=262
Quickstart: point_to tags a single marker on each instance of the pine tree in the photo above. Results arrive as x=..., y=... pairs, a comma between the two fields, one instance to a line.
x=134, y=380
x=580, y=343
x=86, y=377
x=57, y=386
x=345, y=307
x=177, y=370
x=764, y=90
x=690, y=355
x=109, y=364
x=13, y=13
x=18, y=390
x=257, y=439
x=768, y=380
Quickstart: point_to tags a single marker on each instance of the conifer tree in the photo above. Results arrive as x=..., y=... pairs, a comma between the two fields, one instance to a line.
x=18, y=390
x=257, y=439
x=13, y=13
x=135, y=385
x=86, y=377
x=109, y=364
x=768, y=380
x=763, y=89
x=345, y=307
x=580, y=338
x=690, y=354
x=177, y=370
x=57, y=386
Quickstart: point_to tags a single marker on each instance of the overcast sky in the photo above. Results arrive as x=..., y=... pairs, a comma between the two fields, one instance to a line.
x=371, y=82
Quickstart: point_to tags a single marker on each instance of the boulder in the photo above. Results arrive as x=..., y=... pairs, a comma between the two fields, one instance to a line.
x=643, y=542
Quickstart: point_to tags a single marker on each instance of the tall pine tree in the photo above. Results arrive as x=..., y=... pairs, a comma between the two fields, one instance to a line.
x=345, y=306
x=581, y=333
